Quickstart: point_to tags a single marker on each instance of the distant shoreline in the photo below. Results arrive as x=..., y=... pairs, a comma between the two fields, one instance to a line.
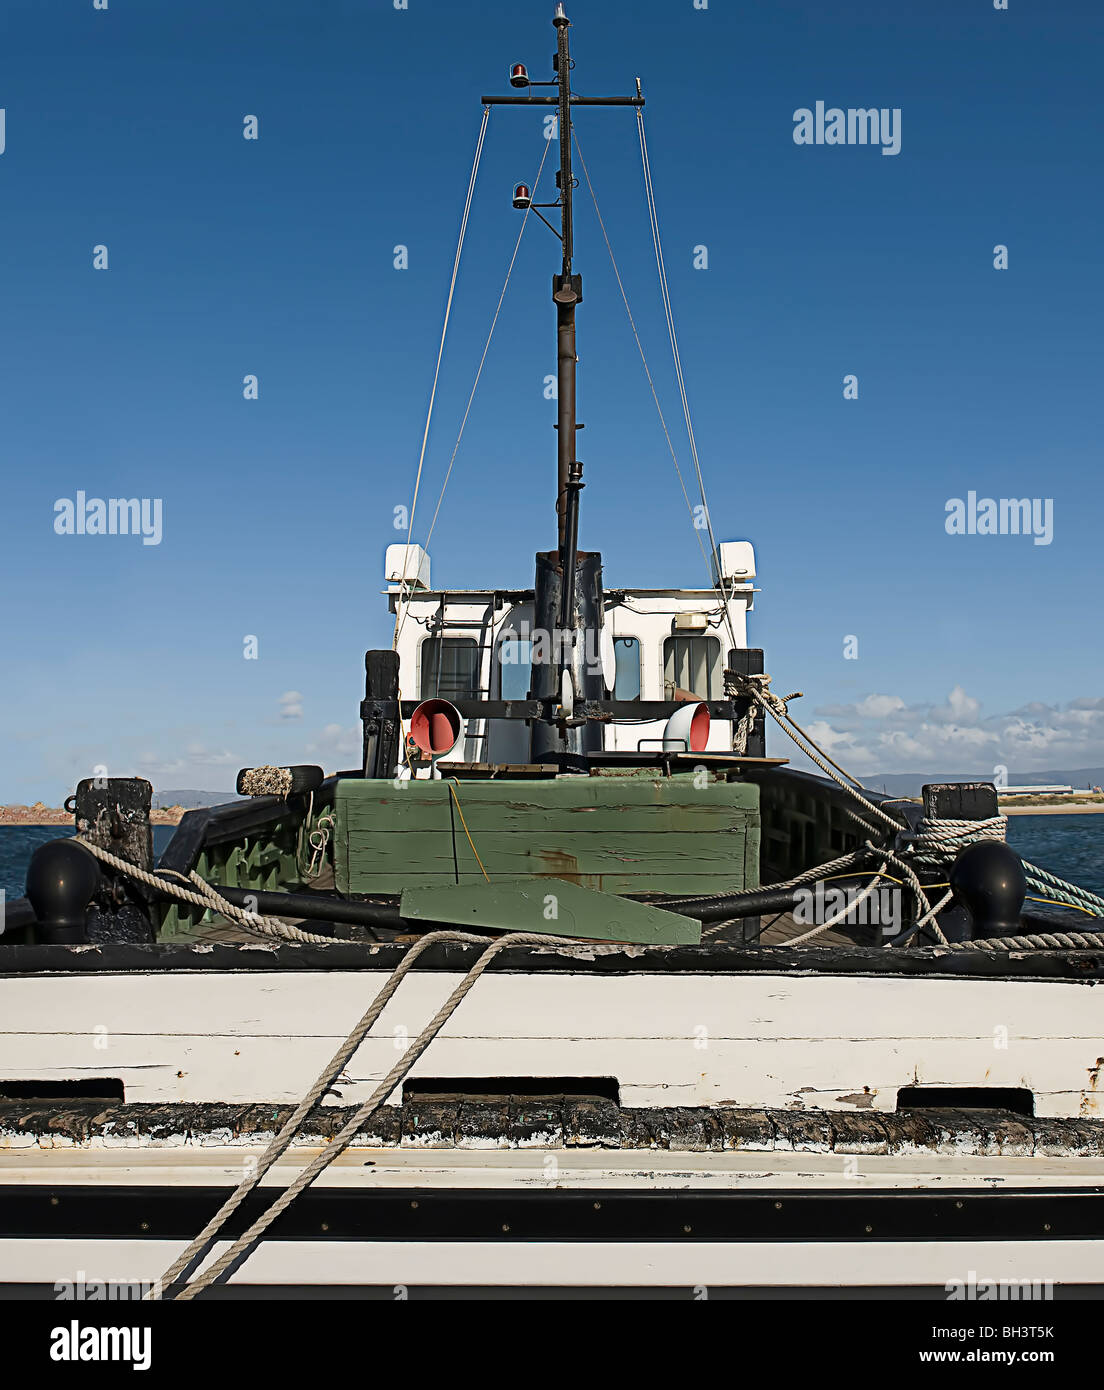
x=39, y=814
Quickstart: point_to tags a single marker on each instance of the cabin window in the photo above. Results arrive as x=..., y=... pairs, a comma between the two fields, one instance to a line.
x=692, y=664
x=450, y=668
x=515, y=667
x=626, y=659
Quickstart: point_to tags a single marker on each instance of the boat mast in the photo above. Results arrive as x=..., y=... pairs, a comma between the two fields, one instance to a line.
x=566, y=293
x=568, y=592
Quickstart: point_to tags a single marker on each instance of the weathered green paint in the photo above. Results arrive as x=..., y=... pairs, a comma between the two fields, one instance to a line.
x=269, y=862
x=555, y=909
x=639, y=834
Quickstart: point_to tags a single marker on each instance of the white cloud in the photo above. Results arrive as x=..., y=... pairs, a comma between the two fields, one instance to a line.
x=963, y=706
x=879, y=706
x=830, y=739
x=338, y=739
x=291, y=705
x=881, y=733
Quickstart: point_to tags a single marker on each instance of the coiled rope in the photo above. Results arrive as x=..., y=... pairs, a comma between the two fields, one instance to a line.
x=935, y=843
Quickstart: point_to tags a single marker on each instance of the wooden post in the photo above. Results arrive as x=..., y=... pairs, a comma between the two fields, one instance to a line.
x=748, y=661
x=960, y=800
x=114, y=813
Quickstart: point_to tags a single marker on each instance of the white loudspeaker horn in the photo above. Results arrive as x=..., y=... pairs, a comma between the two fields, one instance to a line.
x=687, y=730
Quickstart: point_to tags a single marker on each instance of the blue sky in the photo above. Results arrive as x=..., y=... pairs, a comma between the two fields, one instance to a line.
x=275, y=257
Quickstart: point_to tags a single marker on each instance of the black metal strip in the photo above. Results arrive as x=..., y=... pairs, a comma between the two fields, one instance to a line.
x=1086, y=967
x=815, y=1294
x=177, y=1213
x=554, y=101
x=592, y=709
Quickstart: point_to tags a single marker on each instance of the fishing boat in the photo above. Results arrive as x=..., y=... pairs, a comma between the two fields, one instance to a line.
x=569, y=985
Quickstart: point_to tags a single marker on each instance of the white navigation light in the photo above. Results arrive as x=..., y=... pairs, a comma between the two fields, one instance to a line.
x=407, y=563
x=734, y=562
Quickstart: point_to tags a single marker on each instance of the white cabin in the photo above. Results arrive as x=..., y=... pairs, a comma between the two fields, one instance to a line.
x=477, y=643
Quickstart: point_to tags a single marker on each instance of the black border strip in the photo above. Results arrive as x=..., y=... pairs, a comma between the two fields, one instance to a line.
x=597, y=1214
x=1086, y=967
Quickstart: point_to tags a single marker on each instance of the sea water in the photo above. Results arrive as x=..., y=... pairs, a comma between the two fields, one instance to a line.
x=19, y=842
x=1070, y=846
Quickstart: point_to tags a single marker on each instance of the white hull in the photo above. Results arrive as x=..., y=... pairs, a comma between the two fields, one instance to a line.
x=695, y=1266
x=559, y=1207
x=815, y=1041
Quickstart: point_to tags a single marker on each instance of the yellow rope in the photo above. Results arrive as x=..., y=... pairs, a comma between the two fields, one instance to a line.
x=1055, y=903
x=464, y=823
x=861, y=873
x=1031, y=897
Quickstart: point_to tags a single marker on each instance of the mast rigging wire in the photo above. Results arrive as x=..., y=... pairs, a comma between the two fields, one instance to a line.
x=487, y=345
x=785, y=721
x=639, y=346
x=437, y=370
x=653, y=219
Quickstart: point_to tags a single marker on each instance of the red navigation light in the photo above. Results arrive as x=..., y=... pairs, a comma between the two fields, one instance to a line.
x=519, y=75
x=522, y=197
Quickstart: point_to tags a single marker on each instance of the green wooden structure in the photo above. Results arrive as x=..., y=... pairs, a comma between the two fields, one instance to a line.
x=618, y=831
x=551, y=908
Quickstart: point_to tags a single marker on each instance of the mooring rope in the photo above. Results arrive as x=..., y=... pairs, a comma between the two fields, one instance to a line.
x=844, y=912
x=1070, y=894
x=757, y=687
x=201, y=1245
x=934, y=843
x=205, y=896
x=1043, y=941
